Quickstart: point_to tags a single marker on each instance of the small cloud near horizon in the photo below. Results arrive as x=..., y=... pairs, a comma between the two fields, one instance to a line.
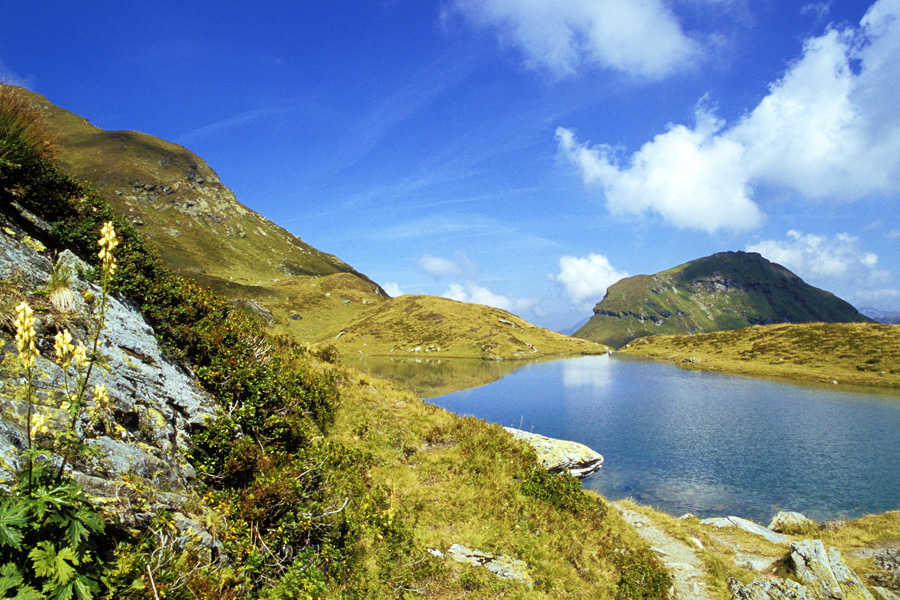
x=392, y=289
x=837, y=260
x=439, y=268
x=473, y=293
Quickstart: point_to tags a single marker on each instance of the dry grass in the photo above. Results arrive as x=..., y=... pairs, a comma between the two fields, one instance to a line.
x=433, y=327
x=845, y=353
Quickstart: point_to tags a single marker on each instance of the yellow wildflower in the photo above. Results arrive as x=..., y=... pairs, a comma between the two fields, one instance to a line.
x=25, y=335
x=38, y=424
x=101, y=397
x=108, y=243
x=79, y=355
x=64, y=349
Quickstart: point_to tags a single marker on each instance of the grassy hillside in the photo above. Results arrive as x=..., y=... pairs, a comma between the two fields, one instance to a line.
x=429, y=326
x=728, y=290
x=847, y=353
x=315, y=480
x=199, y=227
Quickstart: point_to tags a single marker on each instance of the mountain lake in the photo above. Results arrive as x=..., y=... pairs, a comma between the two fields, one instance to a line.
x=692, y=441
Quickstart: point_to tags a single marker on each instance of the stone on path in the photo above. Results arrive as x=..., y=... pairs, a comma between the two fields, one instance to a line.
x=680, y=559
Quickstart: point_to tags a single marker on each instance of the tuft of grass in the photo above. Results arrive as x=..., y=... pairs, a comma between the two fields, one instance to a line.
x=25, y=137
x=845, y=353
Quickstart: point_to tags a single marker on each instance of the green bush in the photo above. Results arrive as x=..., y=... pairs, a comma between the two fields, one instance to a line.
x=52, y=541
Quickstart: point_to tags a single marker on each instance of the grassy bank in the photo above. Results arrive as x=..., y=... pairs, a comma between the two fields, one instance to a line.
x=724, y=553
x=845, y=353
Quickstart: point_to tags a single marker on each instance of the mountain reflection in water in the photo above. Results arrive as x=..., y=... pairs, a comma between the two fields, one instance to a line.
x=706, y=443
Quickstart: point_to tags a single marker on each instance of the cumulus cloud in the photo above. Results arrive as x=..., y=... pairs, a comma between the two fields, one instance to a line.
x=393, y=290
x=584, y=280
x=823, y=258
x=638, y=37
x=893, y=234
x=827, y=130
x=477, y=294
x=692, y=178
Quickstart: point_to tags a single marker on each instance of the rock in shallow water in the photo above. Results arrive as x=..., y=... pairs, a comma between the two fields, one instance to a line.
x=561, y=455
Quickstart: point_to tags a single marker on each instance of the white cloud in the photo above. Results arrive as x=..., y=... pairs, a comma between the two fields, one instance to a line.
x=438, y=267
x=691, y=177
x=586, y=279
x=393, y=290
x=637, y=37
x=837, y=259
x=827, y=130
x=476, y=294
x=893, y=234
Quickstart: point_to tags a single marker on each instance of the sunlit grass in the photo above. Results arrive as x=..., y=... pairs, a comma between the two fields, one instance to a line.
x=845, y=353
x=459, y=480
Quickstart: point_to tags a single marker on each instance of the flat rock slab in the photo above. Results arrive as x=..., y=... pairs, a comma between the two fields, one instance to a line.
x=502, y=566
x=561, y=455
x=720, y=522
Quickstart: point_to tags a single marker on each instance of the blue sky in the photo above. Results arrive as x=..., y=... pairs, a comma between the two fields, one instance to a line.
x=520, y=153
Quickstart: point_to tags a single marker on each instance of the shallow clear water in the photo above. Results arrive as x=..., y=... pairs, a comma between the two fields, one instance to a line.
x=707, y=443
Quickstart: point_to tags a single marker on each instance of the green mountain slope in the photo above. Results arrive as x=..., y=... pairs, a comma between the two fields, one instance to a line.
x=199, y=227
x=727, y=290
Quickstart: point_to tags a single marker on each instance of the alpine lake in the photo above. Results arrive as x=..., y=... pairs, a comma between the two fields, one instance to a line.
x=688, y=441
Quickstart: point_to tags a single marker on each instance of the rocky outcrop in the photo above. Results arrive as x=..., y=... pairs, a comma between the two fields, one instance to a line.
x=822, y=575
x=750, y=526
x=561, y=455
x=154, y=403
x=504, y=567
x=791, y=522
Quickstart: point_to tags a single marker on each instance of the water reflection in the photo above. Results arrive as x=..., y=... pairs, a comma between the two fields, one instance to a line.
x=430, y=377
x=593, y=372
x=707, y=443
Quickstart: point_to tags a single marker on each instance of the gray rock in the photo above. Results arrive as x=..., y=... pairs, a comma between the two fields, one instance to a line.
x=502, y=566
x=775, y=538
x=774, y=588
x=560, y=455
x=789, y=521
x=825, y=573
x=881, y=593
x=154, y=402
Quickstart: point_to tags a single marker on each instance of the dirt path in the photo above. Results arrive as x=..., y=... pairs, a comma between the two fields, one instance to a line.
x=680, y=559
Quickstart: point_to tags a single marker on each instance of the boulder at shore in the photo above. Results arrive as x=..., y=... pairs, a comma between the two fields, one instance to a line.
x=561, y=455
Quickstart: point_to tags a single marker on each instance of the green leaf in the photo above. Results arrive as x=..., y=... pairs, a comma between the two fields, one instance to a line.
x=13, y=516
x=11, y=579
x=83, y=589
x=48, y=563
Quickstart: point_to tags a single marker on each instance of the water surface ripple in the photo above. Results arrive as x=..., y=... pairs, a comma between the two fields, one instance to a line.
x=707, y=443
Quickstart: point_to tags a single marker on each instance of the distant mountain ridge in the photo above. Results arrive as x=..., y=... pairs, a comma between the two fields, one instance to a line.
x=727, y=290
x=885, y=317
